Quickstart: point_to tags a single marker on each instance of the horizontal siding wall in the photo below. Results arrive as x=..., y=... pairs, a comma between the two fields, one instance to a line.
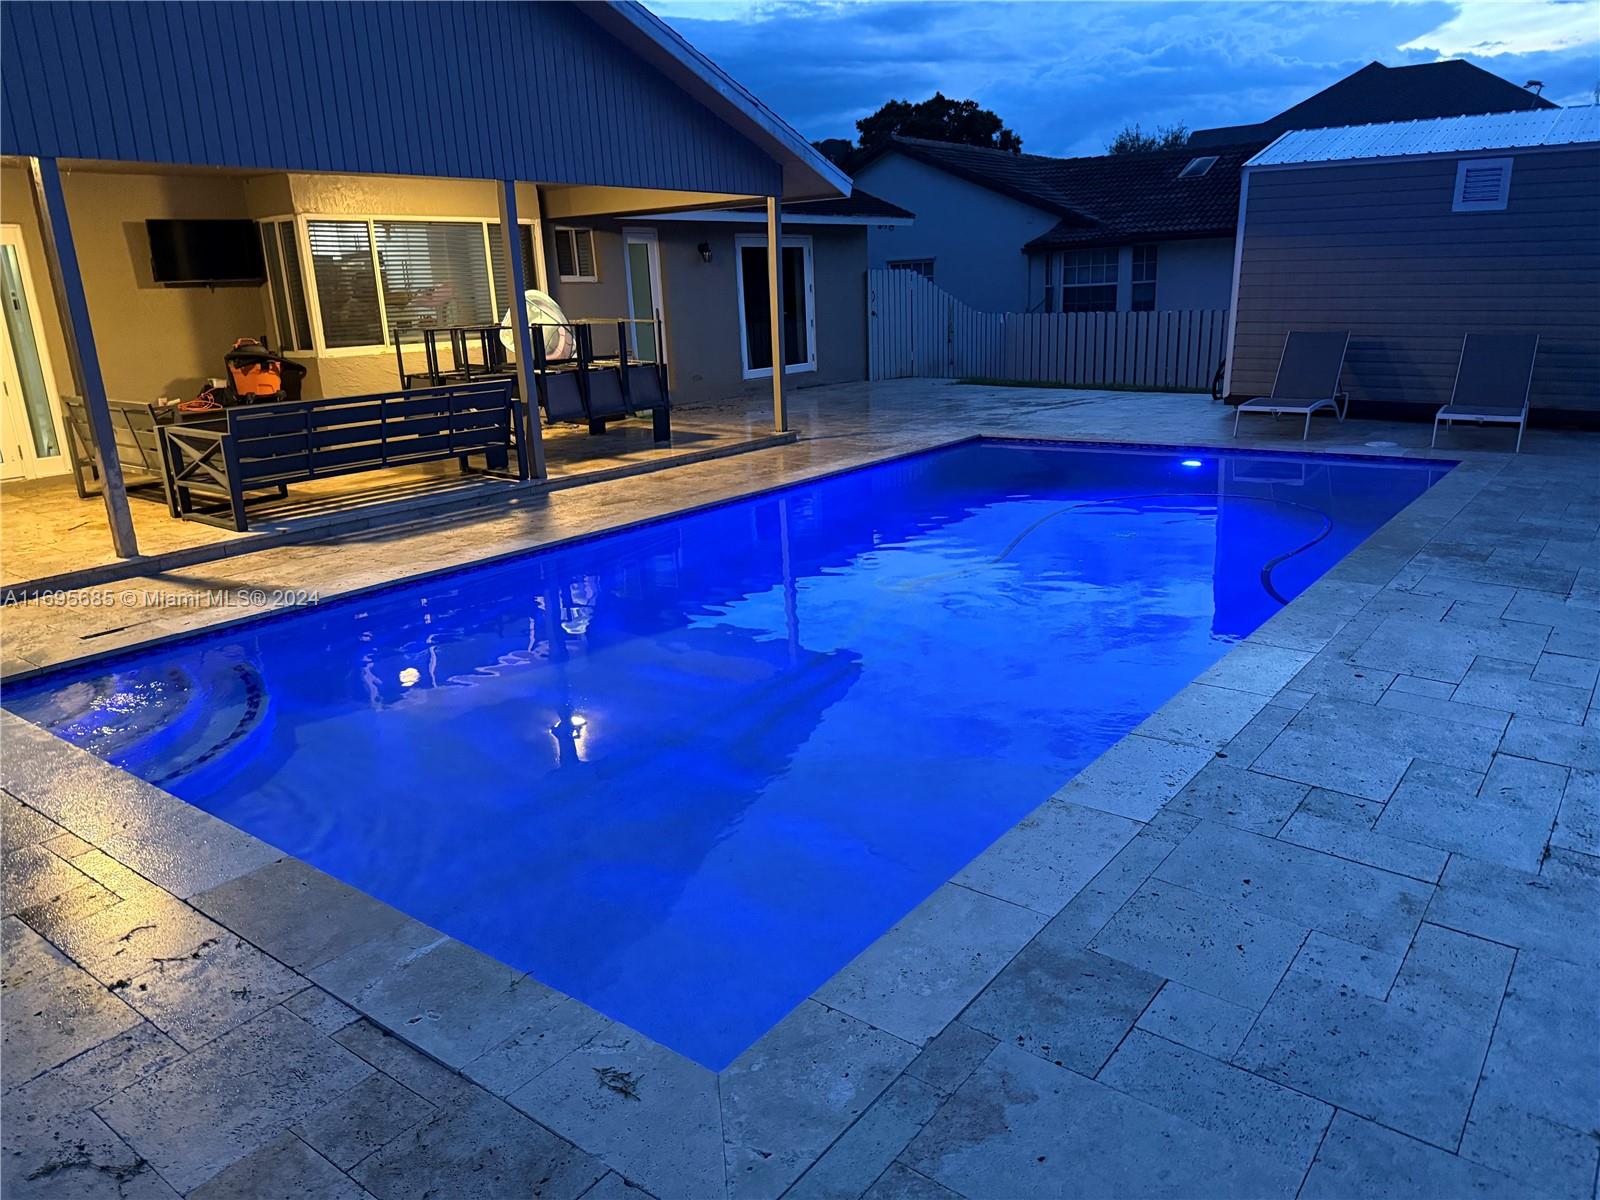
x=1376, y=249
x=474, y=90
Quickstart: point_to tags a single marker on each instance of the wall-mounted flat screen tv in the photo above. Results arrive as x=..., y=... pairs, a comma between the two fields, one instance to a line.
x=206, y=253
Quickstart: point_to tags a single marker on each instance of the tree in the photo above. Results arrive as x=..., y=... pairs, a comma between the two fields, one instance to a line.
x=835, y=150
x=939, y=119
x=1133, y=140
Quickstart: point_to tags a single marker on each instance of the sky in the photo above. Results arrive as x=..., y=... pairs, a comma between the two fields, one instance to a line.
x=1067, y=75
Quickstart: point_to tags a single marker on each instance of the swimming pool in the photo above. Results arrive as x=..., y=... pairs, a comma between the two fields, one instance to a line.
x=687, y=771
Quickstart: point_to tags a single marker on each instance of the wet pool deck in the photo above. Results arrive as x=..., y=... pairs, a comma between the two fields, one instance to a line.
x=1324, y=925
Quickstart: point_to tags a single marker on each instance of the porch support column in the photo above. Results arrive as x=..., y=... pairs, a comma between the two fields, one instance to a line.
x=66, y=281
x=780, y=406
x=528, y=431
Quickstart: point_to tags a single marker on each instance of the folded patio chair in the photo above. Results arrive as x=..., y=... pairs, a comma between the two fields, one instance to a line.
x=1307, y=379
x=1493, y=378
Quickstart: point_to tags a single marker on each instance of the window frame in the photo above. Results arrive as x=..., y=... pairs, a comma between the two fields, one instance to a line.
x=302, y=225
x=1153, y=249
x=1115, y=256
x=594, y=257
x=914, y=265
x=743, y=241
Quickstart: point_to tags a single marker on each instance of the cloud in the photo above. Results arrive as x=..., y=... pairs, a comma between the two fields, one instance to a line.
x=1492, y=28
x=1067, y=76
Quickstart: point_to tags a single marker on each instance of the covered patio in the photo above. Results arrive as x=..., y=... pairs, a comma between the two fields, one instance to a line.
x=366, y=236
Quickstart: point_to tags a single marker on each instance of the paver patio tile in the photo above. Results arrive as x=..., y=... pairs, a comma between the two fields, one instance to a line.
x=1453, y=588
x=1552, y=912
x=1331, y=674
x=1363, y=749
x=645, y=1110
x=1344, y=827
x=448, y=999
x=483, y=1150
x=1415, y=685
x=22, y=826
x=1087, y=913
x=1555, y=741
x=1378, y=1060
x=43, y=885
x=1578, y=823
x=221, y=985
x=1574, y=628
x=1445, y=650
x=1022, y=1126
x=1243, y=748
x=1504, y=816
x=1069, y=1006
x=1201, y=715
x=74, y=1156
x=367, y=1117
x=1449, y=712
x=788, y=1096
x=1227, y=951
x=949, y=1058
x=297, y=914
x=558, y=1027
x=900, y=1182
x=914, y=979
x=321, y=1011
x=210, y=1108
x=55, y=1017
x=427, y=1077
x=1255, y=667
x=1197, y=1019
x=1567, y=670
x=284, y=1169
x=25, y=956
x=94, y=1075
x=1510, y=687
x=1236, y=796
x=1360, y=1158
x=867, y=1149
x=1530, y=576
x=1282, y=1123
x=128, y=938
x=1334, y=960
x=1450, y=976
x=1539, y=1102
x=1307, y=888
x=614, y=1187
x=1136, y=776
x=1046, y=858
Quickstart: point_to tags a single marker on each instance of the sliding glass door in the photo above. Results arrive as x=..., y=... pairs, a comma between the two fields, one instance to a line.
x=799, y=318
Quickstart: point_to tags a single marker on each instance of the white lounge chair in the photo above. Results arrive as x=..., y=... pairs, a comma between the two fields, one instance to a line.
x=1307, y=379
x=1493, y=378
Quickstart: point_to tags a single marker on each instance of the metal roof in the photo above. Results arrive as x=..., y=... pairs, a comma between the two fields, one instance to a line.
x=1444, y=135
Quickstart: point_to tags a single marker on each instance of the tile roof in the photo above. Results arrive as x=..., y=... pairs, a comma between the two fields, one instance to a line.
x=1446, y=135
x=1378, y=93
x=1105, y=199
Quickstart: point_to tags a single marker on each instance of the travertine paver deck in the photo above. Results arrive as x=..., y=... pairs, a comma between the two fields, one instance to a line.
x=1324, y=925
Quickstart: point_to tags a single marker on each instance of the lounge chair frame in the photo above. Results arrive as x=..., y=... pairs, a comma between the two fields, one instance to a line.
x=1280, y=405
x=1481, y=416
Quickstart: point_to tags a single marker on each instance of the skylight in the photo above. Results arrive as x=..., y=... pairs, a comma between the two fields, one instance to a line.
x=1197, y=167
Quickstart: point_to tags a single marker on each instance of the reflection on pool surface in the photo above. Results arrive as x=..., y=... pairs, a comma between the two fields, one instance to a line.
x=686, y=772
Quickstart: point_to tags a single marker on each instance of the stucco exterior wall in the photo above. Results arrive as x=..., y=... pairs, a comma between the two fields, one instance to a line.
x=974, y=236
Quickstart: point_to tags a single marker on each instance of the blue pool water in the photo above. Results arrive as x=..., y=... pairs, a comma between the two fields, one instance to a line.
x=688, y=771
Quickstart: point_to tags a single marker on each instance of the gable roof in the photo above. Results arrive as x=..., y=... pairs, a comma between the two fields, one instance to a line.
x=1579, y=126
x=1105, y=199
x=858, y=208
x=1452, y=88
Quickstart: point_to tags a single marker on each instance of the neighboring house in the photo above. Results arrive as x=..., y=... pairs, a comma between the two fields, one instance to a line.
x=712, y=284
x=1125, y=232
x=378, y=216
x=1412, y=235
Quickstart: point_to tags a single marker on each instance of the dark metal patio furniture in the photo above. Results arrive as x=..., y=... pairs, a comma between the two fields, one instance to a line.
x=1307, y=379
x=260, y=447
x=138, y=444
x=1494, y=376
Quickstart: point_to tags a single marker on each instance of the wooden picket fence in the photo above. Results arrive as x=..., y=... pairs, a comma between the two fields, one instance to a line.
x=916, y=329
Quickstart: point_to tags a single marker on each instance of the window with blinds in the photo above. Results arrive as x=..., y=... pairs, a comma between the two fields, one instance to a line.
x=285, y=285
x=497, y=264
x=347, y=283
x=434, y=273
x=575, y=256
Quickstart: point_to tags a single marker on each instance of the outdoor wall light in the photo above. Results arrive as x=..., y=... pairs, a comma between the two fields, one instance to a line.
x=705, y=251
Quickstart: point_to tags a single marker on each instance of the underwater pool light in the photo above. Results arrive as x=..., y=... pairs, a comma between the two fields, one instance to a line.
x=1191, y=462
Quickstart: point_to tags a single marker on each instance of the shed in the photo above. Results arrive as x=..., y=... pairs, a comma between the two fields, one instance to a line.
x=1411, y=235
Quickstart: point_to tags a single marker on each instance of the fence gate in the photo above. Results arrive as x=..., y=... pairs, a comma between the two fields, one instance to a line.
x=916, y=329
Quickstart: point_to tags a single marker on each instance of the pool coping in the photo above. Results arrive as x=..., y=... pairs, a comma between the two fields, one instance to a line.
x=877, y=1013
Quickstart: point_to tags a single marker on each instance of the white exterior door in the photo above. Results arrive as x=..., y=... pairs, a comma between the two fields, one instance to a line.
x=643, y=257
x=32, y=437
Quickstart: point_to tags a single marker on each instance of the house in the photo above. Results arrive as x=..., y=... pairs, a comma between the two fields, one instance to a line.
x=1126, y=232
x=1411, y=235
x=401, y=165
